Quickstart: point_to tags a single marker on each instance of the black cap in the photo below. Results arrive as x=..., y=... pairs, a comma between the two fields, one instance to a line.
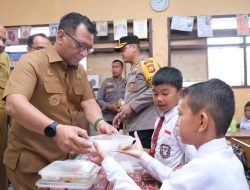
x=126, y=40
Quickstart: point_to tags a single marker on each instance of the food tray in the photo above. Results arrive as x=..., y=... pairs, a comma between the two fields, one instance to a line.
x=69, y=171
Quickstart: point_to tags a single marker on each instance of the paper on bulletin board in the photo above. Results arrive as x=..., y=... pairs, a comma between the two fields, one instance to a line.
x=25, y=31
x=204, y=26
x=102, y=28
x=94, y=80
x=140, y=28
x=182, y=23
x=53, y=29
x=242, y=25
x=120, y=29
x=12, y=36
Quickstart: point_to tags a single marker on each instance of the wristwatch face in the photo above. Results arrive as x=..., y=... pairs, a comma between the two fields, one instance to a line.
x=159, y=5
x=50, y=131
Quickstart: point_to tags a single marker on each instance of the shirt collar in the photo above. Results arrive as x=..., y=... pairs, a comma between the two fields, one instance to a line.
x=212, y=146
x=170, y=113
x=53, y=55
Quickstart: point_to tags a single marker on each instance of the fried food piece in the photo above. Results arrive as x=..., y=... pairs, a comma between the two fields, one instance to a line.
x=124, y=146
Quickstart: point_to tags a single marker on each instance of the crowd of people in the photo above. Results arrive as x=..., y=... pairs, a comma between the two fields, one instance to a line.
x=180, y=133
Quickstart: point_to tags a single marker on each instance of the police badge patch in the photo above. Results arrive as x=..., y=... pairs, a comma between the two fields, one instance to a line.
x=165, y=150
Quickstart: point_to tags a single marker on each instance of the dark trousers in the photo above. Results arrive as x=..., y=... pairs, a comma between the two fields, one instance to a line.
x=145, y=137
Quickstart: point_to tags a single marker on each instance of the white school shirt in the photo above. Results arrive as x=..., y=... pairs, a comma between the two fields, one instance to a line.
x=169, y=149
x=245, y=124
x=215, y=168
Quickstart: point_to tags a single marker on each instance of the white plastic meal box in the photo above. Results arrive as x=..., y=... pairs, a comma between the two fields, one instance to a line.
x=71, y=174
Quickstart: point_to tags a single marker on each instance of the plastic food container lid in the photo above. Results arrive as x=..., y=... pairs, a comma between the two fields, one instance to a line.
x=110, y=143
x=68, y=169
x=53, y=184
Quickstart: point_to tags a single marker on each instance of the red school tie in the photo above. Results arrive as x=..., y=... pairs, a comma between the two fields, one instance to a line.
x=155, y=136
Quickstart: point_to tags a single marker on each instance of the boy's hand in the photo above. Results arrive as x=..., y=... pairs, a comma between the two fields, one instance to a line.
x=105, y=128
x=136, y=150
x=100, y=155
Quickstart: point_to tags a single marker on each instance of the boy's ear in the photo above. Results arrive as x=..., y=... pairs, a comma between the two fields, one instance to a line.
x=203, y=117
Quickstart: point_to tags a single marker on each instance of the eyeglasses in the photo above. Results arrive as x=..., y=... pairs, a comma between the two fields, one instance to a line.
x=81, y=45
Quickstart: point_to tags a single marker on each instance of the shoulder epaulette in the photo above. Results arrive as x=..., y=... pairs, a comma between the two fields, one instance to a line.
x=149, y=68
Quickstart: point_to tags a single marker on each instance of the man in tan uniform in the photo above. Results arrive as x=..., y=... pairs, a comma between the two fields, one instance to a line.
x=4, y=75
x=111, y=91
x=37, y=41
x=139, y=109
x=44, y=92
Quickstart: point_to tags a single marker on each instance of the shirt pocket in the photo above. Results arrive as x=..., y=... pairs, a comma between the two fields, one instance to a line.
x=26, y=166
x=78, y=92
x=54, y=92
x=109, y=93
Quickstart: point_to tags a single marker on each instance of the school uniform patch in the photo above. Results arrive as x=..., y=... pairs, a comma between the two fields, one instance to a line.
x=165, y=150
x=167, y=132
x=54, y=100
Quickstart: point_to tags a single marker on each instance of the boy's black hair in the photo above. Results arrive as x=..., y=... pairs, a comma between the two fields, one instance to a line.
x=247, y=104
x=217, y=97
x=168, y=75
x=71, y=21
x=118, y=61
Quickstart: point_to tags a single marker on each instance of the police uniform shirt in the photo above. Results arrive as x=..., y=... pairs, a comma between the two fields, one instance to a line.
x=140, y=98
x=169, y=149
x=216, y=167
x=53, y=88
x=110, y=92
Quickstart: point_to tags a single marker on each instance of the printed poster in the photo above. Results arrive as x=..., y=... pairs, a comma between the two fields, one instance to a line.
x=25, y=32
x=204, y=26
x=120, y=29
x=182, y=23
x=12, y=36
x=53, y=29
x=242, y=25
x=102, y=28
x=140, y=28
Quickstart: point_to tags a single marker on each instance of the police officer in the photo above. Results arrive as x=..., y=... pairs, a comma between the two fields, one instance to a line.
x=111, y=92
x=139, y=109
x=4, y=75
x=44, y=93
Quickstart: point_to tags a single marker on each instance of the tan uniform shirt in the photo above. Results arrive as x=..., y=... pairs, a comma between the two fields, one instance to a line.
x=110, y=92
x=53, y=88
x=140, y=98
x=4, y=75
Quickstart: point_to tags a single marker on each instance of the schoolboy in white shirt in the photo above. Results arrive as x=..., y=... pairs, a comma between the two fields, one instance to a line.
x=205, y=112
x=166, y=143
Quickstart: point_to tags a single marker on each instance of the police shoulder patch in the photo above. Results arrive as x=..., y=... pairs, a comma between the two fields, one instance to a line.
x=149, y=68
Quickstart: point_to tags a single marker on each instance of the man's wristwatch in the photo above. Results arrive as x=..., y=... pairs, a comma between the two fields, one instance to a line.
x=50, y=130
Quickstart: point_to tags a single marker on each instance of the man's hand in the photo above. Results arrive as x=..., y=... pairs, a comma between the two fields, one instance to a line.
x=136, y=150
x=100, y=155
x=105, y=128
x=72, y=138
x=126, y=111
x=112, y=107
